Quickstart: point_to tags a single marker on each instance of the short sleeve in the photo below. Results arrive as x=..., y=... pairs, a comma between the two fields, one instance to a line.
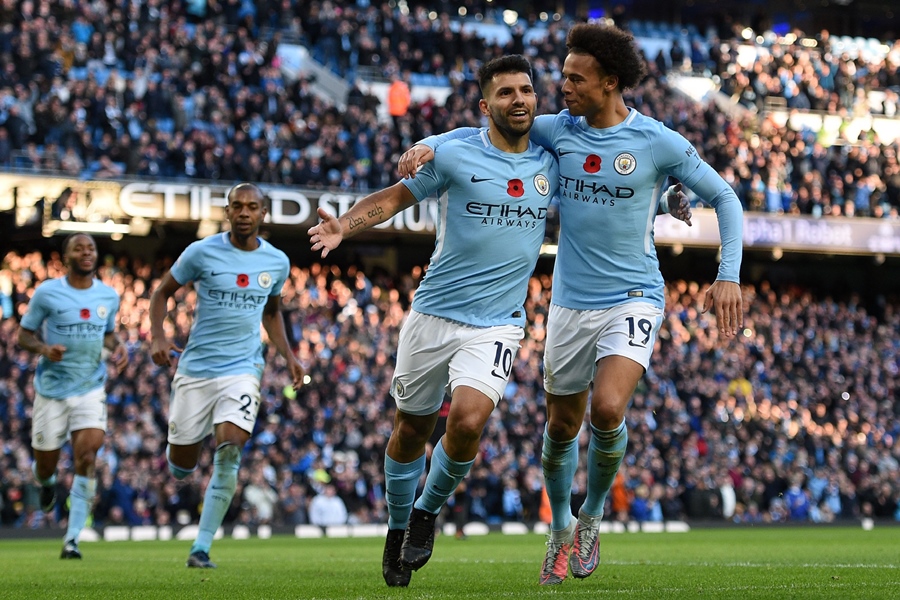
x=37, y=310
x=185, y=268
x=431, y=177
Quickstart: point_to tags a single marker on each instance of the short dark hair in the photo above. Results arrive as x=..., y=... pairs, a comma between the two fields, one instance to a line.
x=613, y=48
x=511, y=63
x=263, y=198
x=67, y=241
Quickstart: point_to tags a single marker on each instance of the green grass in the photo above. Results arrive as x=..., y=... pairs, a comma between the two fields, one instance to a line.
x=813, y=563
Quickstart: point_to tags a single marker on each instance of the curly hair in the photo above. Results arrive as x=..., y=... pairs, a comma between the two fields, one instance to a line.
x=613, y=49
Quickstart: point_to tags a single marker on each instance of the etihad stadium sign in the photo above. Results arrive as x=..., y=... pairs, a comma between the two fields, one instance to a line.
x=289, y=206
x=130, y=206
x=100, y=201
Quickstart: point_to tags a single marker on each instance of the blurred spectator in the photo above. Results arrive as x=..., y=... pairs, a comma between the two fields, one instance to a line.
x=398, y=100
x=326, y=508
x=260, y=497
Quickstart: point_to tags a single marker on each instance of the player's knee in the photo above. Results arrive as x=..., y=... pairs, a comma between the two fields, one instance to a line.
x=84, y=459
x=177, y=472
x=228, y=454
x=561, y=430
x=409, y=435
x=607, y=416
x=464, y=432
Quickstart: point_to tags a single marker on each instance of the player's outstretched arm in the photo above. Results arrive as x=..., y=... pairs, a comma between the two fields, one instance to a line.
x=29, y=341
x=370, y=211
x=160, y=347
x=274, y=325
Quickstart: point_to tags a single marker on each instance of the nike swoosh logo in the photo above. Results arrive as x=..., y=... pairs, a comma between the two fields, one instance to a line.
x=630, y=343
x=479, y=180
x=564, y=152
x=214, y=274
x=494, y=373
x=218, y=487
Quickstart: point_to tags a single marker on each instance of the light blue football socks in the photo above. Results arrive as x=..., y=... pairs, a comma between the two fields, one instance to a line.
x=81, y=498
x=218, y=494
x=443, y=477
x=559, y=461
x=400, y=482
x=605, y=453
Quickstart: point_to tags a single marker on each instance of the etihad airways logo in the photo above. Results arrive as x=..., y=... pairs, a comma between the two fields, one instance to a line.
x=507, y=215
x=81, y=330
x=592, y=192
x=239, y=300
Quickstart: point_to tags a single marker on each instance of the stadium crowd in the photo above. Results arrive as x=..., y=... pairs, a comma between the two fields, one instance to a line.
x=796, y=420
x=196, y=90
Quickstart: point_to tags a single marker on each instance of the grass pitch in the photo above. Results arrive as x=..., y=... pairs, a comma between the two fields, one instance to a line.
x=798, y=563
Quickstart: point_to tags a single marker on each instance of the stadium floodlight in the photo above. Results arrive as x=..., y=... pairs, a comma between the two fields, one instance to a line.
x=109, y=227
x=206, y=228
x=140, y=226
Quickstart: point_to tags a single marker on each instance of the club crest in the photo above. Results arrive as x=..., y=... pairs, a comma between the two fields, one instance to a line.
x=542, y=184
x=625, y=164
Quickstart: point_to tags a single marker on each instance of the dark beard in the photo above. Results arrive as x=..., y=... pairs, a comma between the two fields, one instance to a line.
x=76, y=270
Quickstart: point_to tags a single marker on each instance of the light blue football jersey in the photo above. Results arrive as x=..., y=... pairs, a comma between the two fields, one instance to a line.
x=492, y=210
x=610, y=183
x=79, y=320
x=232, y=287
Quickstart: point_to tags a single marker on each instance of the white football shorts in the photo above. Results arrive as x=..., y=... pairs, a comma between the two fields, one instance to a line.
x=53, y=421
x=199, y=404
x=436, y=355
x=577, y=339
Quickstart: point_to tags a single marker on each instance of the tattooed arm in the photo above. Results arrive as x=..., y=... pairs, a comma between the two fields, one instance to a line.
x=370, y=211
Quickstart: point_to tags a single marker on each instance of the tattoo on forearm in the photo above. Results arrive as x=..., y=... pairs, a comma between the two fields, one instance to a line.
x=356, y=223
x=375, y=212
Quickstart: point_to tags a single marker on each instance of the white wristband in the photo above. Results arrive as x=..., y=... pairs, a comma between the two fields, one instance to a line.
x=664, y=201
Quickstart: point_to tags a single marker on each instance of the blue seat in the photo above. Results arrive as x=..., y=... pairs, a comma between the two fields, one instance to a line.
x=78, y=73
x=166, y=125
x=101, y=76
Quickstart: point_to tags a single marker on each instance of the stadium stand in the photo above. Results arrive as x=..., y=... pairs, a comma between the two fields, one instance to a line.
x=797, y=421
x=87, y=92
